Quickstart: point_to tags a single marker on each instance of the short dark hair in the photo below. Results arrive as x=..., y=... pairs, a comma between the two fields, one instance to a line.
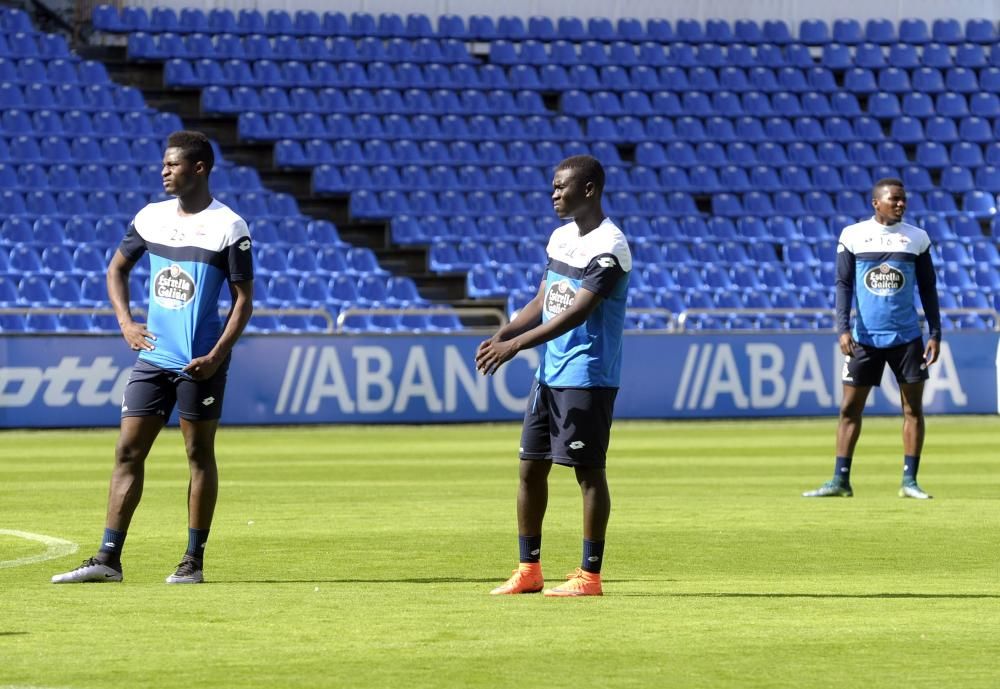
x=589, y=167
x=194, y=146
x=886, y=182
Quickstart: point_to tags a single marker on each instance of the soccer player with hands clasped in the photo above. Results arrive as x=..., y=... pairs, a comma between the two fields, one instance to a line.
x=577, y=317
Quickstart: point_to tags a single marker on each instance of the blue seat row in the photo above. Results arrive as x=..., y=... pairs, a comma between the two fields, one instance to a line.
x=305, y=260
x=341, y=288
x=928, y=154
x=62, y=70
x=977, y=203
x=648, y=79
x=687, y=103
x=81, y=149
x=415, y=101
x=63, y=96
x=405, y=152
x=836, y=56
x=32, y=44
x=44, y=122
x=115, y=177
x=145, y=46
x=96, y=204
x=482, y=27
x=371, y=204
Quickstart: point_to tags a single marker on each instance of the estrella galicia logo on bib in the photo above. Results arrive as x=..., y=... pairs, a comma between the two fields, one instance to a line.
x=173, y=288
x=884, y=280
x=559, y=297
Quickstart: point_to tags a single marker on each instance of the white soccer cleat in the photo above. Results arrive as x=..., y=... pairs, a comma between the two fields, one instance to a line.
x=188, y=572
x=910, y=489
x=91, y=571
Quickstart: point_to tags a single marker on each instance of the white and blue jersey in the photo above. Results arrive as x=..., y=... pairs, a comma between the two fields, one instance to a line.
x=590, y=355
x=878, y=267
x=190, y=257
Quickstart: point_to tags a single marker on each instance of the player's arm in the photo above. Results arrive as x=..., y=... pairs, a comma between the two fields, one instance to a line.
x=493, y=353
x=844, y=284
x=239, y=315
x=135, y=334
x=927, y=286
x=526, y=319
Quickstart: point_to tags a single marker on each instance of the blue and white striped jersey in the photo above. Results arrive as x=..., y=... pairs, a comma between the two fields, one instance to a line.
x=878, y=269
x=589, y=356
x=190, y=258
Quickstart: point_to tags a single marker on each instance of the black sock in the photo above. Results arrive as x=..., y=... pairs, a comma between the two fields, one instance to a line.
x=842, y=469
x=911, y=463
x=593, y=556
x=111, y=547
x=196, y=544
x=531, y=548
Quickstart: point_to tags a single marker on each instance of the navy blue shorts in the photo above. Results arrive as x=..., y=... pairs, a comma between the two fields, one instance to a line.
x=570, y=426
x=865, y=367
x=153, y=391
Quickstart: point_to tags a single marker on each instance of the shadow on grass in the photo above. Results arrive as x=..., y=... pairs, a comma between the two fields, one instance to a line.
x=929, y=596
x=417, y=580
x=14, y=633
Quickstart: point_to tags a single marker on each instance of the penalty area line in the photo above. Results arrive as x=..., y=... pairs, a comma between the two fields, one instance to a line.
x=54, y=548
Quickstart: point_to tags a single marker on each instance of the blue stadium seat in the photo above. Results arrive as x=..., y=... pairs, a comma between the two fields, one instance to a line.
x=860, y=80
x=947, y=31
x=881, y=31
x=914, y=31
x=814, y=32
x=951, y=105
x=870, y=56
x=987, y=178
x=927, y=80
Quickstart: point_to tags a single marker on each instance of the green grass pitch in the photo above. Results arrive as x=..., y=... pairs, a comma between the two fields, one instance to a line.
x=362, y=556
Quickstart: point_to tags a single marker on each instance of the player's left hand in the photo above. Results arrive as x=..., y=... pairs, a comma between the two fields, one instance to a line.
x=202, y=367
x=492, y=354
x=932, y=351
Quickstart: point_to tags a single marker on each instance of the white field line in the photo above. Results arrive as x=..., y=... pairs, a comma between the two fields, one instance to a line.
x=54, y=547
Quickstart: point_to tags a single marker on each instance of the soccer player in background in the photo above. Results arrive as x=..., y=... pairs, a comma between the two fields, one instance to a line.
x=578, y=316
x=195, y=244
x=879, y=263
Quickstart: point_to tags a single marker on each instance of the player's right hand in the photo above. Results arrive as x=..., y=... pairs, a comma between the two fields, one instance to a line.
x=138, y=338
x=846, y=344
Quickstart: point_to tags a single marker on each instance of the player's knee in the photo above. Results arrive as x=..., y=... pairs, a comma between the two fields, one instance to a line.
x=129, y=454
x=591, y=477
x=533, y=472
x=851, y=411
x=200, y=454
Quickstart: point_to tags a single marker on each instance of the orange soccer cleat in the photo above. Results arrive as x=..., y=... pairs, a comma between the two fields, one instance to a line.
x=527, y=578
x=579, y=583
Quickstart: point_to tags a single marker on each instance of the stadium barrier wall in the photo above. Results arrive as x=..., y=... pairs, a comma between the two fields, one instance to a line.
x=77, y=381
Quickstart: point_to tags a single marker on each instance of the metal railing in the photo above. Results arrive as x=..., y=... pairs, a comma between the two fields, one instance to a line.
x=472, y=312
x=674, y=322
x=139, y=311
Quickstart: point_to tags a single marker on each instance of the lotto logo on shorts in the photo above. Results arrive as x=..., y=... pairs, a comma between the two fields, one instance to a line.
x=173, y=288
x=559, y=297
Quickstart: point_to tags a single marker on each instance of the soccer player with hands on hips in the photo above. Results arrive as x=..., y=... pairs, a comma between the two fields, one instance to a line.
x=577, y=318
x=880, y=262
x=196, y=245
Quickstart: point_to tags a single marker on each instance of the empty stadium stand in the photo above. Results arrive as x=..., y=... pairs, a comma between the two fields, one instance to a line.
x=390, y=162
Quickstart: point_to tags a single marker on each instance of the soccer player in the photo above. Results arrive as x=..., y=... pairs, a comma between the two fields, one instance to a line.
x=195, y=245
x=879, y=262
x=578, y=317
